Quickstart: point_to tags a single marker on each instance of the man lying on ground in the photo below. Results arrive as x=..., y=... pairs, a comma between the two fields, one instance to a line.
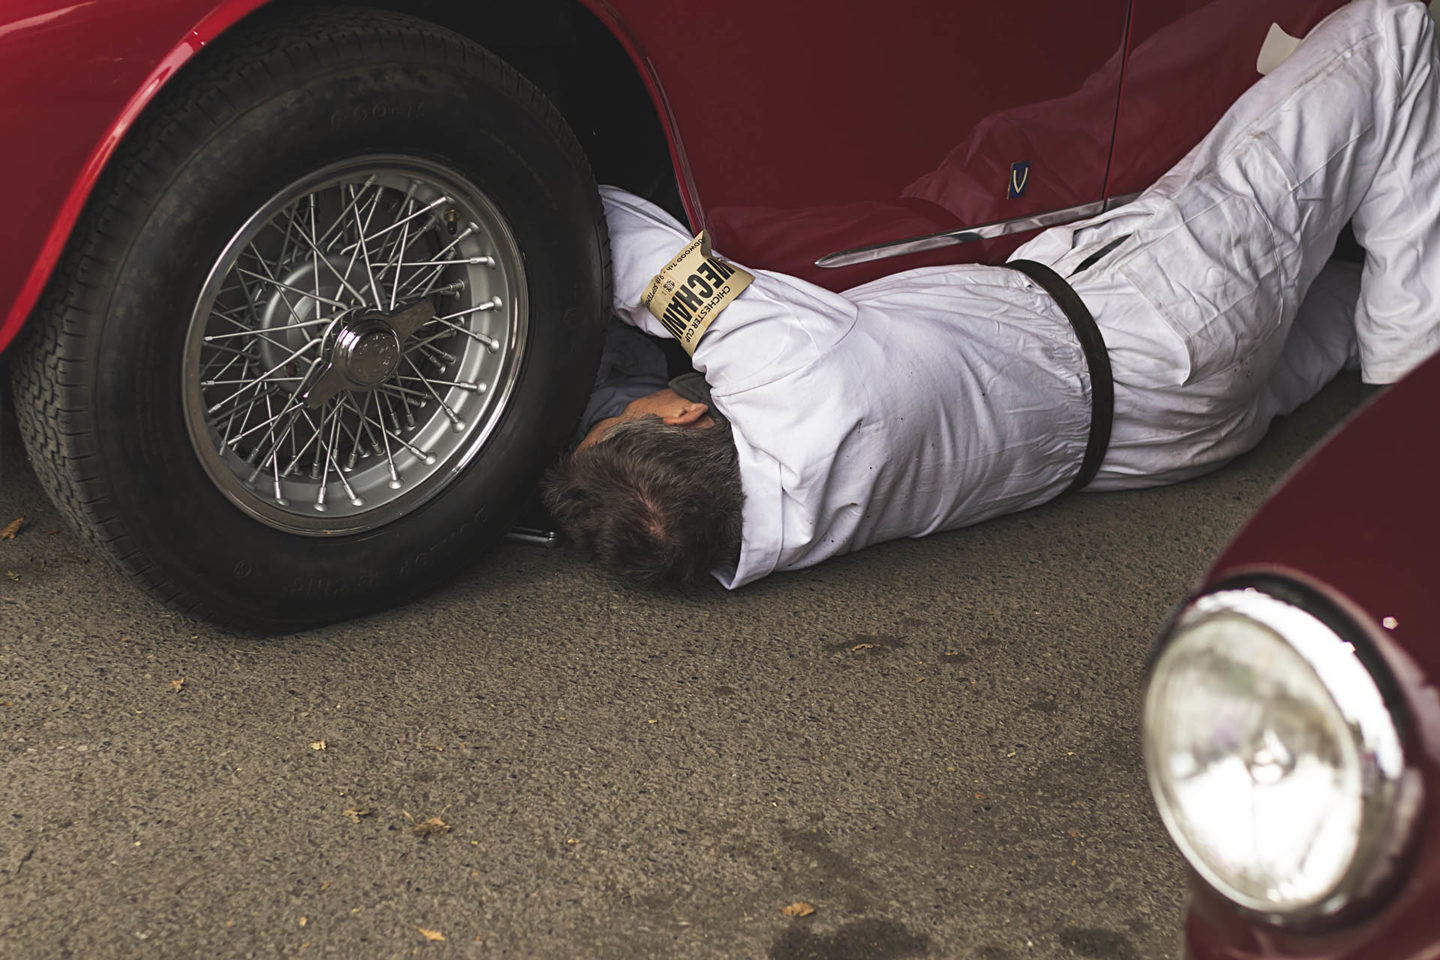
x=943, y=396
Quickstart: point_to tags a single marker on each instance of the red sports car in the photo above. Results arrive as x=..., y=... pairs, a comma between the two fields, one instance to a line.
x=298, y=299
x=1292, y=723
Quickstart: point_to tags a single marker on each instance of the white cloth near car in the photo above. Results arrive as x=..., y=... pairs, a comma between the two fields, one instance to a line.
x=939, y=397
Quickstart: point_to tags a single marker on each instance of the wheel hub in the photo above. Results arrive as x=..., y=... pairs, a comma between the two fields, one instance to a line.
x=367, y=353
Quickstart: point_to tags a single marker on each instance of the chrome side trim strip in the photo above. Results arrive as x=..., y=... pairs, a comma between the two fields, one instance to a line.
x=985, y=231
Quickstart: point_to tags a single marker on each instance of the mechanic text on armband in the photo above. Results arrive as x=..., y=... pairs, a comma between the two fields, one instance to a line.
x=692, y=289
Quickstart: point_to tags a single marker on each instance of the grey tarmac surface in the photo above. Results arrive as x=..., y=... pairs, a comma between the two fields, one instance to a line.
x=935, y=743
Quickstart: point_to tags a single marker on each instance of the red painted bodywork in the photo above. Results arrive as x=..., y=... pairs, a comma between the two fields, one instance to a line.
x=1358, y=519
x=797, y=130
x=73, y=78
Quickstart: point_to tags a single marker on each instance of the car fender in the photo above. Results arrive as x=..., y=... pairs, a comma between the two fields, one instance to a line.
x=38, y=37
x=35, y=35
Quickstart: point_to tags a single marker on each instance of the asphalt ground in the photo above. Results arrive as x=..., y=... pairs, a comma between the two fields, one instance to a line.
x=933, y=743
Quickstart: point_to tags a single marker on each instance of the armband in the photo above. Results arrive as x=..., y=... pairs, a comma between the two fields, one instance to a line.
x=689, y=293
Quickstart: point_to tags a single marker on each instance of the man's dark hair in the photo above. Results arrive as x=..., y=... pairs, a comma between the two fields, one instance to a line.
x=660, y=503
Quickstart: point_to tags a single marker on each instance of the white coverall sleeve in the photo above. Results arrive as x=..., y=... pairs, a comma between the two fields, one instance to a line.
x=777, y=325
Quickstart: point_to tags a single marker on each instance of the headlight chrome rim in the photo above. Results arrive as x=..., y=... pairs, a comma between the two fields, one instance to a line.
x=1361, y=691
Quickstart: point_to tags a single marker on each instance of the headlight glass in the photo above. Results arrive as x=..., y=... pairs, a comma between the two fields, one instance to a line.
x=1271, y=752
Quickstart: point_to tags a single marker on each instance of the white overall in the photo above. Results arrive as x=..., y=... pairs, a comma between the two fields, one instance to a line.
x=939, y=397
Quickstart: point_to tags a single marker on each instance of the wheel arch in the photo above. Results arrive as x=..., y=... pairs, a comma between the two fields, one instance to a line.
x=577, y=51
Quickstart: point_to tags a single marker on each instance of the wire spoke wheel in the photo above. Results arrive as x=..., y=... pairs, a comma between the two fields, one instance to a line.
x=332, y=308
x=354, y=345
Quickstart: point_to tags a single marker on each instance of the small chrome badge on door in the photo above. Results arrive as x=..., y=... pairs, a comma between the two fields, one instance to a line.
x=1019, y=178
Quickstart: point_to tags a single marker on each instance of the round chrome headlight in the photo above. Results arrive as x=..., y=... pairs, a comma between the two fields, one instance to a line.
x=1275, y=761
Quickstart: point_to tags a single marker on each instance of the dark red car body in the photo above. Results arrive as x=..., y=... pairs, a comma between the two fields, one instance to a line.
x=795, y=131
x=1356, y=522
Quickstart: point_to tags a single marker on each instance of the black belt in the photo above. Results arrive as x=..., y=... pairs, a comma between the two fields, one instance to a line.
x=1102, y=383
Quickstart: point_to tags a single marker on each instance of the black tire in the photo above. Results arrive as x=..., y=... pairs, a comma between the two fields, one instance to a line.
x=97, y=375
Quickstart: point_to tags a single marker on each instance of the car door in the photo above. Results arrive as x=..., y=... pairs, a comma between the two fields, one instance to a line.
x=1188, y=61
x=805, y=130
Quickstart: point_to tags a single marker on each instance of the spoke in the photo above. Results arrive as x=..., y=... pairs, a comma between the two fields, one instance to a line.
x=223, y=370
x=490, y=304
x=377, y=446
x=355, y=248
x=237, y=396
x=415, y=342
x=317, y=257
x=254, y=331
x=388, y=256
x=329, y=462
x=229, y=425
x=420, y=454
x=400, y=266
x=340, y=220
x=285, y=240
x=270, y=277
x=355, y=501
x=231, y=383
x=473, y=387
x=298, y=454
x=319, y=321
x=357, y=447
x=280, y=500
x=455, y=421
x=223, y=348
x=405, y=393
x=434, y=353
x=436, y=272
x=265, y=376
x=262, y=458
x=471, y=261
x=422, y=211
x=491, y=343
x=249, y=410
x=325, y=476
x=405, y=405
x=269, y=422
x=285, y=286
x=365, y=253
x=395, y=483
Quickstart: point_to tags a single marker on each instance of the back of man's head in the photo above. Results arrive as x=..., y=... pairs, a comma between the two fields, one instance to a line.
x=659, y=503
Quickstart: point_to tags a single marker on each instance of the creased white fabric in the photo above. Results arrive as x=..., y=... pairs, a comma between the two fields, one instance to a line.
x=943, y=396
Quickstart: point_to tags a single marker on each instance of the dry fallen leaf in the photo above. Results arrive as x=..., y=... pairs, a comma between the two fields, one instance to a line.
x=798, y=909
x=12, y=575
x=51, y=533
x=317, y=744
x=304, y=920
x=432, y=826
x=355, y=813
x=431, y=934
x=862, y=646
x=12, y=528
x=177, y=684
